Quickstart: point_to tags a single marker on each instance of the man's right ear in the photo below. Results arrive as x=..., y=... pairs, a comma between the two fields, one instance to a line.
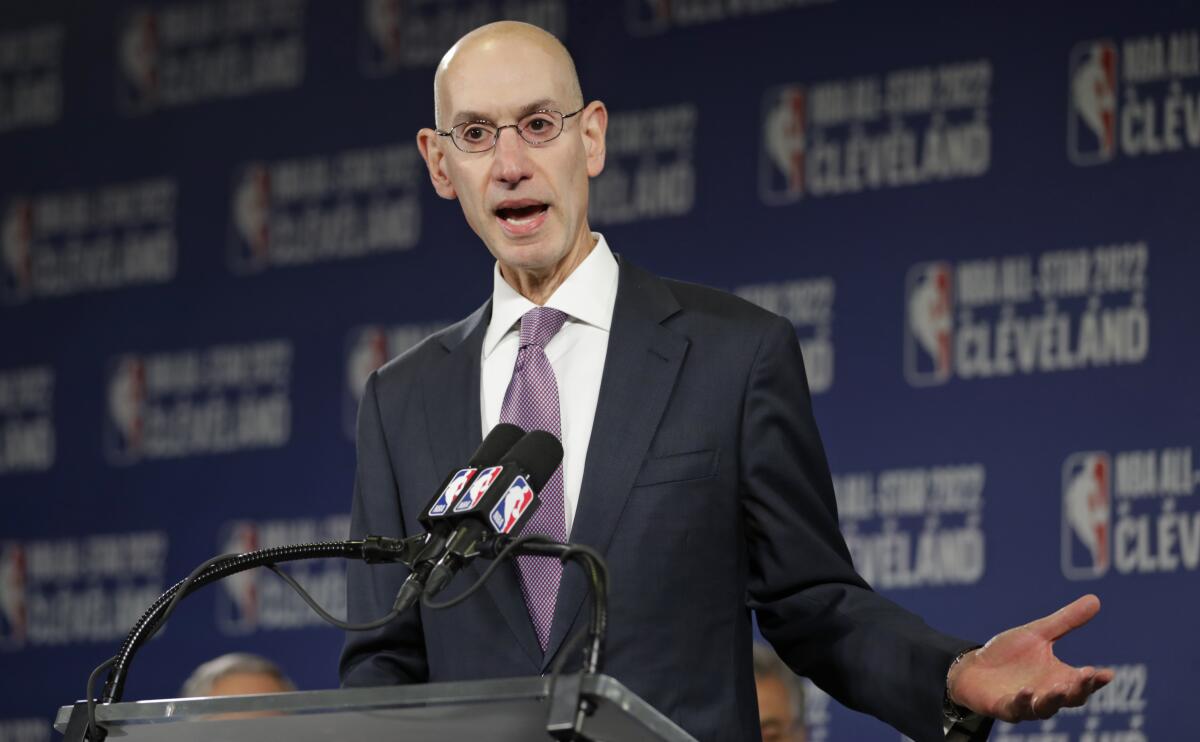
x=435, y=161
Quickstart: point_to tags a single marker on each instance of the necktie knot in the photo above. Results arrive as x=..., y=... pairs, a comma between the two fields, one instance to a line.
x=540, y=324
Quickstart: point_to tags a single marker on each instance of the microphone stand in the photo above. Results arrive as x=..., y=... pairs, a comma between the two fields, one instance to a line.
x=568, y=706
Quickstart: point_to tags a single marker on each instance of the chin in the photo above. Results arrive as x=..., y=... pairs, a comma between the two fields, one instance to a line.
x=531, y=256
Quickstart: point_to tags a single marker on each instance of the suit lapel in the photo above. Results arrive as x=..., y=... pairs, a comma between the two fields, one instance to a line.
x=451, y=392
x=640, y=369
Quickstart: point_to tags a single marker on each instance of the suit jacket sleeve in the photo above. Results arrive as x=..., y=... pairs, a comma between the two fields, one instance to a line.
x=396, y=652
x=818, y=613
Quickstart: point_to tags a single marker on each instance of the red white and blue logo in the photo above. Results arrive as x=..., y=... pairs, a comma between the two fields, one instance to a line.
x=16, y=250
x=516, y=502
x=138, y=51
x=1092, y=112
x=238, y=602
x=14, y=614
x=928, y=347
x=1087, y=515
x=784, y=144
x=126, y=409
x=477, y=488
x=452, y=491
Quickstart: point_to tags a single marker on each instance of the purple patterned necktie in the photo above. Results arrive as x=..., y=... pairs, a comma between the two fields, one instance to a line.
x=532, y=403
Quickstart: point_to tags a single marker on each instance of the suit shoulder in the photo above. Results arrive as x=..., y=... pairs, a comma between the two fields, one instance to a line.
x=715, y=304
x=404, y=366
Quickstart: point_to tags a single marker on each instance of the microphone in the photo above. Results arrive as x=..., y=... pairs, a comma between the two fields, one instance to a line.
x=437, y=517
x=501, y=499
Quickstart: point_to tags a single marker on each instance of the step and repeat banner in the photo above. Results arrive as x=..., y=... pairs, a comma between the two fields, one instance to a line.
x=214, y=224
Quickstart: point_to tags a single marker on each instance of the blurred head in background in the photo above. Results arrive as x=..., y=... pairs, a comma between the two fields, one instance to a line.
x=780, y=698
x=236, y=674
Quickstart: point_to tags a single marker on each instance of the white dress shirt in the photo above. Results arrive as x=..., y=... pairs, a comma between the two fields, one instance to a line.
x=576, y=353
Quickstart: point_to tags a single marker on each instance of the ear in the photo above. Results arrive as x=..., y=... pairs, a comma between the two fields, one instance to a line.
x=594, y=121
x=428, y=141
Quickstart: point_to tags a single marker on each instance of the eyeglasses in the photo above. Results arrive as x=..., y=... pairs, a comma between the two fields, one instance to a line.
x=537, y=128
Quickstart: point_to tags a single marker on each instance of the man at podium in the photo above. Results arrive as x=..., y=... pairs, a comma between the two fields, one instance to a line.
x=692, y=460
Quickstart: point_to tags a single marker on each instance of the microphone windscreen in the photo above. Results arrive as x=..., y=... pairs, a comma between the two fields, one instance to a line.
x=497, y=442
x=538, y=454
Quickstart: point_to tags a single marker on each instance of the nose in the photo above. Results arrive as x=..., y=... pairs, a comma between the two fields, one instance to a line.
x=510, y=158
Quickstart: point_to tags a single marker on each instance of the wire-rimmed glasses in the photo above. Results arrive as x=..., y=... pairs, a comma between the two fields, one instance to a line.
x=536, y=128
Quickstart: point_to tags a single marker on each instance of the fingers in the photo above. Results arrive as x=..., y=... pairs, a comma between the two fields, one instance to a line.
x=1069, y=617
x=1047, y=705
x=1030, y=704
x=1019, y=707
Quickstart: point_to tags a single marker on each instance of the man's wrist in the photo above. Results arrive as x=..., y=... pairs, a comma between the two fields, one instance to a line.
x=951, y=709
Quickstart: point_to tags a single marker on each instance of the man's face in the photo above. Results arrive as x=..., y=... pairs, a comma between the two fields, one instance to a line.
x=527, y=203
x=775, y=715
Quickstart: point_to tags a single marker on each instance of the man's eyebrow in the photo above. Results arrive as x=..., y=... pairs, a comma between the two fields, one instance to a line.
x=542, y=104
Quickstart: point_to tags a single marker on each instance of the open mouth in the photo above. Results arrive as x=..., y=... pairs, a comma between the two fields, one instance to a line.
x=521, y=214
x=521, y=217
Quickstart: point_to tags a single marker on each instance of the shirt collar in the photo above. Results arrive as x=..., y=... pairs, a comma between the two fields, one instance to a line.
x=587, y=295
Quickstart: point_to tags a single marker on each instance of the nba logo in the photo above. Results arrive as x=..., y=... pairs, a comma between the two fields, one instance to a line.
x=645, y=17
x=452, y=491
x=928, y=343
x=14, y=615
x=1087, y=515
x=477, y=488
x=781, y=161
x=1092, y=105
x=137, y=57
x=250, y=248
x=237, y=602
x=126, y=403
x=516, y=501
x=16, y=250
x=366, y=350
x=383, y=47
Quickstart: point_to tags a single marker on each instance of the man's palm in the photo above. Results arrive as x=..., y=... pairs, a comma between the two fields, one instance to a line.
x=1016, y=677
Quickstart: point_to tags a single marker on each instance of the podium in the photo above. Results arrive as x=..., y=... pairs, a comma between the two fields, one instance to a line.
x=508, y=710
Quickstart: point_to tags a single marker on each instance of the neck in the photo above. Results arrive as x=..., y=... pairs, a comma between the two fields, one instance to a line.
x=539, y=286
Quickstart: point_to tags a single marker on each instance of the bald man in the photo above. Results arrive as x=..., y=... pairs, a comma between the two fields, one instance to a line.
x=692, y=460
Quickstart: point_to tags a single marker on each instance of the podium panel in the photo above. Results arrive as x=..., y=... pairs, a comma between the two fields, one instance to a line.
x=501, y=710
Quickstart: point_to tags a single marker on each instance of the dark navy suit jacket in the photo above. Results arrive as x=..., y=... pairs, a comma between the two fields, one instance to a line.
x=707, y=490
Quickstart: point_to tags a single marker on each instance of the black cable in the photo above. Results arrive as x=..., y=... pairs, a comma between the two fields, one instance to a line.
x=325, y=615
x=220, y=567
x=183, y=587
x=91, y=699
x=179, y=589
x=491, y=568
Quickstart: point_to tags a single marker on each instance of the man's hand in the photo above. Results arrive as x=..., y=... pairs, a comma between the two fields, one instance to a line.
x=1016, y=677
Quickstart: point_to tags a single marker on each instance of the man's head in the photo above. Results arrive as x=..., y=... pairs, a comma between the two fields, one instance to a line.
x=237, y=674
x=780, y=698
x=527, y=202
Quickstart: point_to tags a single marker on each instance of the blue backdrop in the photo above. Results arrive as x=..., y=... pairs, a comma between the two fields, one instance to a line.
x=982, y=223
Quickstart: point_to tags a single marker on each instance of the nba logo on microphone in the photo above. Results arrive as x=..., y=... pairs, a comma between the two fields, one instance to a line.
x=929, y=326
x=452, y=491
x=477, y=488
x=1087, y=515
x=126, y=409
x=14, y=615
x=238, y=600
x=784, y=143
x=512, y=506
x=1092, y=103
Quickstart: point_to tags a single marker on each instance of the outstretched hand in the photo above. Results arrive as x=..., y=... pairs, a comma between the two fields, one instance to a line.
x=1016, y=677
